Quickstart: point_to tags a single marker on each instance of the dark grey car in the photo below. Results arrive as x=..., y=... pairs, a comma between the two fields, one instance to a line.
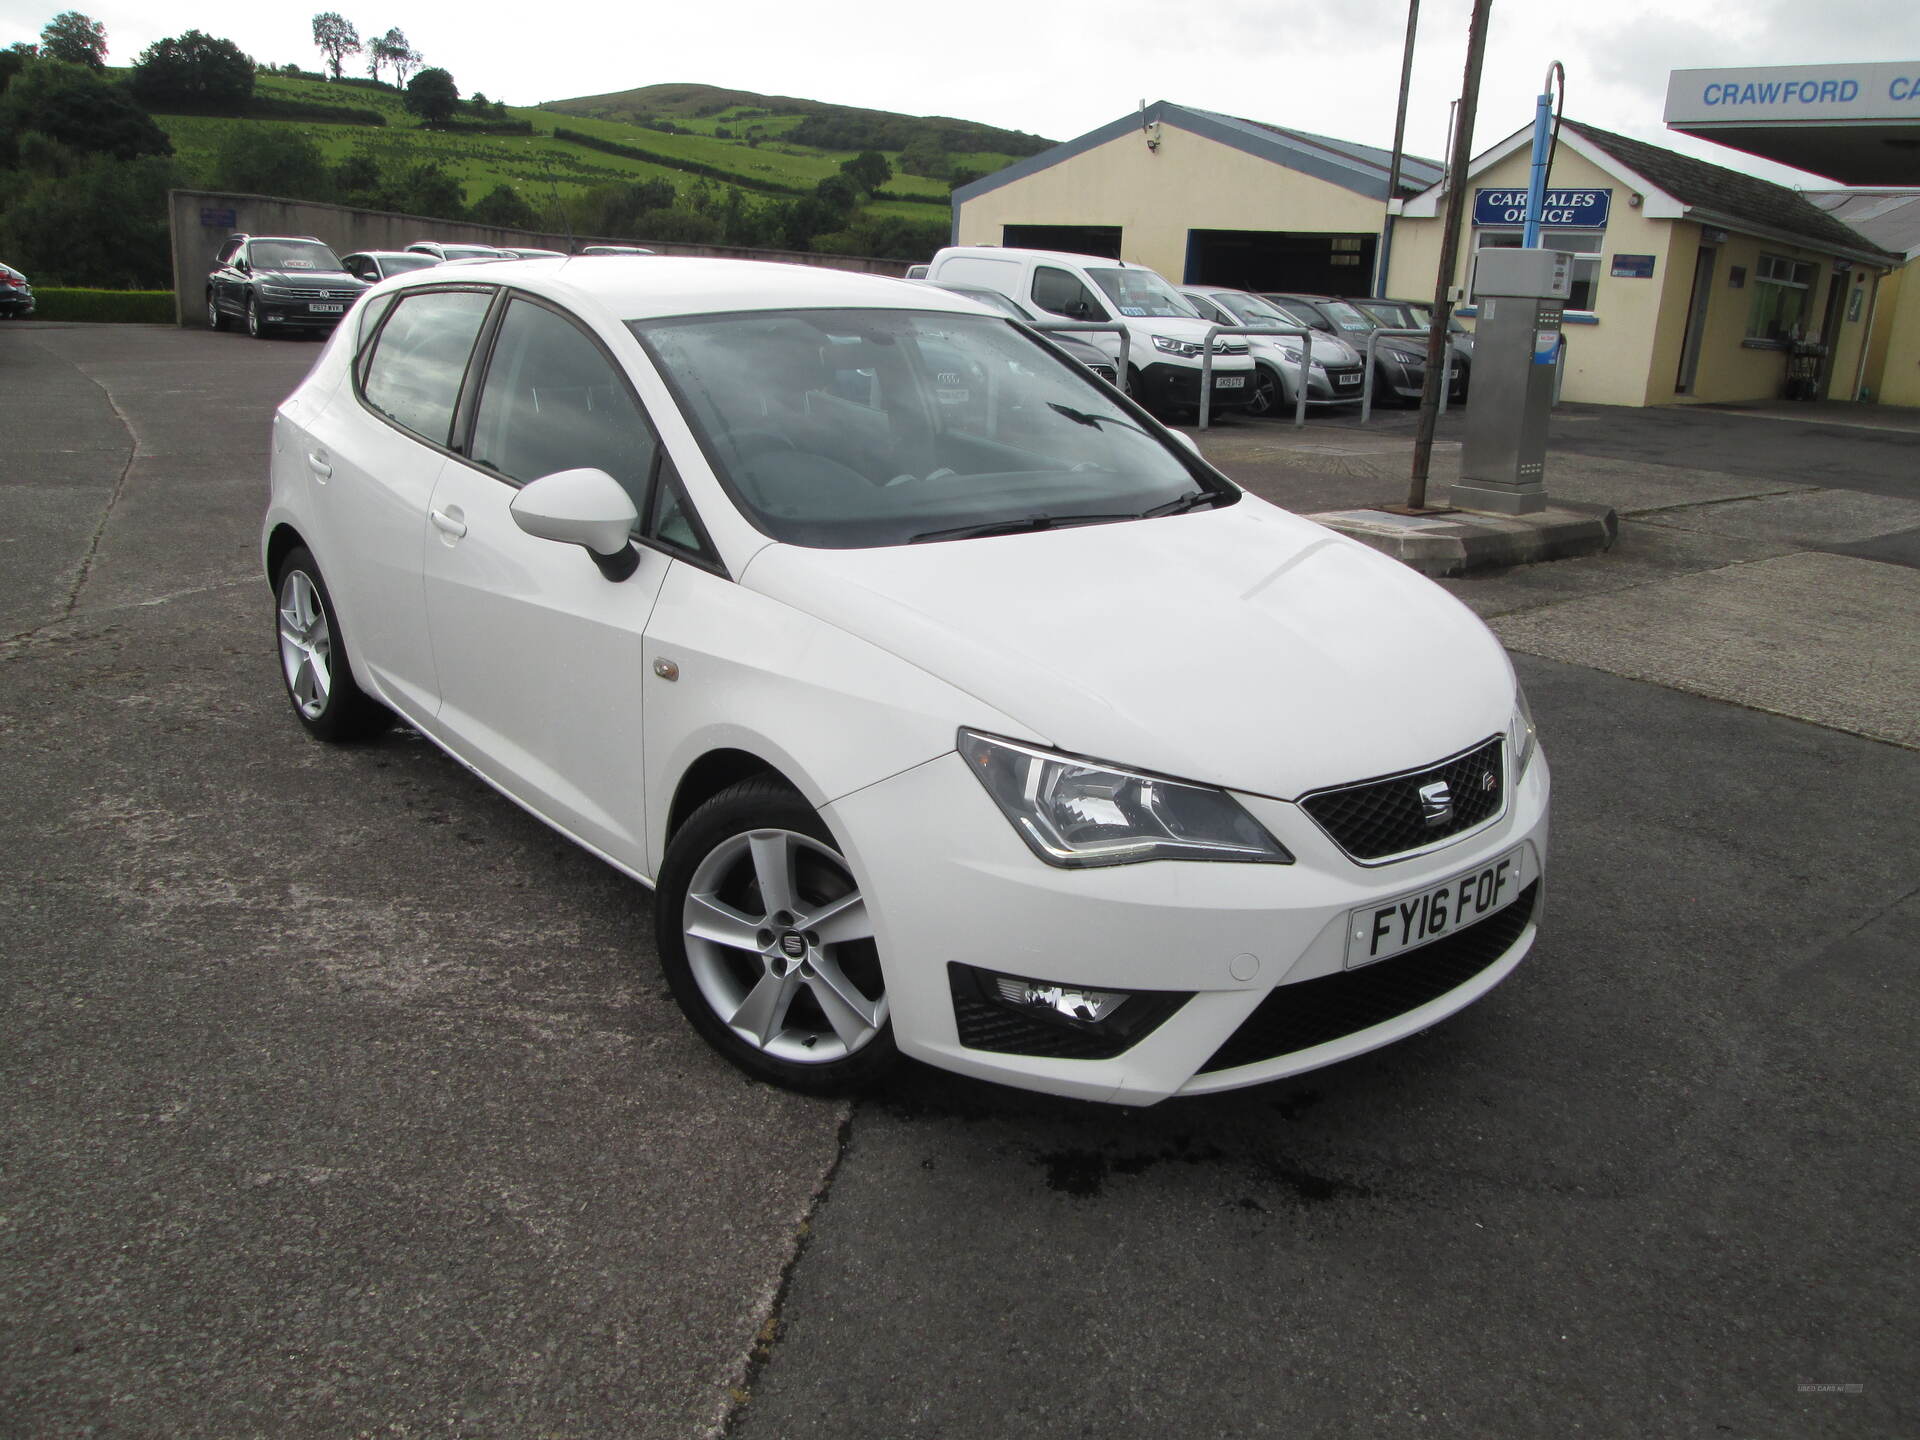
x=1399, y=361
x=278, y=284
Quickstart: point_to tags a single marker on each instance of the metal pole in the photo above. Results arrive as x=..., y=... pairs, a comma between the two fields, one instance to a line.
x=1399, y=140
x=1449, y=254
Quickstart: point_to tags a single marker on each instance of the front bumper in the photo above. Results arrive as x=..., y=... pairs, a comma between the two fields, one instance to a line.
x=1406, y=380
x=283, y=312
x=1165, y=386
x=982, y=900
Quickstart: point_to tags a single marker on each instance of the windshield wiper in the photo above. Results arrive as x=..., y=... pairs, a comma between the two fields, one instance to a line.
x=1181, y=504
x=1020, y=526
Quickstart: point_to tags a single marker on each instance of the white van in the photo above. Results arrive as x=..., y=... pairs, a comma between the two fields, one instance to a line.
x=1165, y=334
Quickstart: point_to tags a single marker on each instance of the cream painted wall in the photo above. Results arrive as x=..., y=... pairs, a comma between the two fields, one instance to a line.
x=1155, y=197
x=1895, y=378
x=1631, y=354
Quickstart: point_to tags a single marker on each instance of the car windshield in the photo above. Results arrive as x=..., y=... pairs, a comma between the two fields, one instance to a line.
x=1346, y=317
x=1389, y=312
x=400, y=264
x=1251, y=310
x=844, y=429
x=471, y=252
x=1141, y=293
x=291, y=255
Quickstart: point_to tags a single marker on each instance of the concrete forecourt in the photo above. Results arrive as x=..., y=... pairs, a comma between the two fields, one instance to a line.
x=343, y=1098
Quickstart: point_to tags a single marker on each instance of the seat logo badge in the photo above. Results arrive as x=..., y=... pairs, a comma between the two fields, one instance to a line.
x=1436, y=803
x=793, y=945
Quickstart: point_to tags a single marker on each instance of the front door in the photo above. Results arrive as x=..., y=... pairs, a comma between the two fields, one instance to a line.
x=1696, y=320
x=540, y=655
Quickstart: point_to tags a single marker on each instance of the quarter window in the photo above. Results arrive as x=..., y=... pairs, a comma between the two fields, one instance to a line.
x=420, y=357
x=553, y=401
x=1781, y=288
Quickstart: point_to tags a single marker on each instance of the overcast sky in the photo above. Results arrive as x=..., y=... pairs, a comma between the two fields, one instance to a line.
x=1062, y=67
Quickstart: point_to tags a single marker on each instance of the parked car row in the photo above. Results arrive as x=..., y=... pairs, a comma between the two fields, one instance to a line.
x=1166, y=329
x=289, y=284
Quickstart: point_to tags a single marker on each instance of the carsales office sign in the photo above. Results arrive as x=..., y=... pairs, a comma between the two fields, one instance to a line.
x=1574, y=209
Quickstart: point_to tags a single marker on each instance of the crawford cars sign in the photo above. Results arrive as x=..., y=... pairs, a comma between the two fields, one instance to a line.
x=1788, y=92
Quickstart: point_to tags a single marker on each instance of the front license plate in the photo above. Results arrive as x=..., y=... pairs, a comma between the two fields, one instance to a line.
x=1229, y=382
x=326, y=309
x=1349, y=379
x=1380, y=931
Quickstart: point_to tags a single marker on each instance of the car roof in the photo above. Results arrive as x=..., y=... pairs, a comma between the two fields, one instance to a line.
x=644, y=287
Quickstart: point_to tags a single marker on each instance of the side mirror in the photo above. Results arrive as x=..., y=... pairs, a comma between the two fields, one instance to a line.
x=581, y=507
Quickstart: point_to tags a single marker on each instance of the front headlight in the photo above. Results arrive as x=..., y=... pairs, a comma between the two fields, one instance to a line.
x=1074, y=812
x=1405, y=357
x=1185, y=348
x=281, y=292
x=1522, y=740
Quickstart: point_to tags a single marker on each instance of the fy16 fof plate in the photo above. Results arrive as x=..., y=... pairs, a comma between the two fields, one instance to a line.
x=1388, y=927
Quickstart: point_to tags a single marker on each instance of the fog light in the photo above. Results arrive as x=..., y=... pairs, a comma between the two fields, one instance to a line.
x=1089, y=1007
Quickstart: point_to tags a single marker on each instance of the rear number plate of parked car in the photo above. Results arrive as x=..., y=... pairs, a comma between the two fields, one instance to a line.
x=326, y=309
x=1230, y=382
x=1379, y=931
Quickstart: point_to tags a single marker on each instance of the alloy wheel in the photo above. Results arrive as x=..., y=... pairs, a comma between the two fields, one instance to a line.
x=306, y=644
x=781, y=947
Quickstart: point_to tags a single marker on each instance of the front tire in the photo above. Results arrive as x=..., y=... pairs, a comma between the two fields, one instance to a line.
x=767, y=946
x=313, y=657
x=254, y=327
x=1268, y=393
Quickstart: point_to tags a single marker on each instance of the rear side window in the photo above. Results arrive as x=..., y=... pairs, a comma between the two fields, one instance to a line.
x=553, y=401
x=413, y=376
x=1061, y=293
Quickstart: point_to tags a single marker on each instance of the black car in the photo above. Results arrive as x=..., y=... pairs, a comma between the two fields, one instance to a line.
x=277, y=284
x=1399, y=361
x=1087, y=353
x=16, y=295
x=1419, y=315
x=373, y=266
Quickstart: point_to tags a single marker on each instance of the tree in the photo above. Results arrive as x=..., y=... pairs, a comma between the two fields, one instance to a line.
x=194, y=69
x=72, y=37
x=104, y=223
x=393, y=51
x=335, y=38
x=869, y=170
x=269, y=160
x=82, y=110
x=430, y=191
x=432, y=95
x=503, y=206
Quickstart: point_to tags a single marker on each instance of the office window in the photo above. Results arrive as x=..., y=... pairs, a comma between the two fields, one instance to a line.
x=1782, y=292
x=1584, y=244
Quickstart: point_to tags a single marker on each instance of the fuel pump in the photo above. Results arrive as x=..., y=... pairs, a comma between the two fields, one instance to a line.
x=1521, y=295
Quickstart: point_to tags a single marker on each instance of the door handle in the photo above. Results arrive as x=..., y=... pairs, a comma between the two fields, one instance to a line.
x=446, y=524
x=319, y=466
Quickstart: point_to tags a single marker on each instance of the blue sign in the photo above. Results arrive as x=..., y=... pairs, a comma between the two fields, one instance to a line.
x=1567, y=209
x=1633, y=267
x=217, y=219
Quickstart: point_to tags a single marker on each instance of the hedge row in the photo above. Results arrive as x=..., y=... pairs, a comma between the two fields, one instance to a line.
x=485, y=127
x=111, y=307
x=275, y=109
x=675, y=162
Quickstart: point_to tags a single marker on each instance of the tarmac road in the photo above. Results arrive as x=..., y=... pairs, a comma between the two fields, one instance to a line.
x=338, y=1097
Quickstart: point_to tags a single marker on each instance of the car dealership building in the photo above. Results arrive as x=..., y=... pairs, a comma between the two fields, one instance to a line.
x=1694, y=282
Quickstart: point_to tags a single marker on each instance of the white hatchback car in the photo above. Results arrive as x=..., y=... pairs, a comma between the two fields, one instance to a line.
x=952, y=706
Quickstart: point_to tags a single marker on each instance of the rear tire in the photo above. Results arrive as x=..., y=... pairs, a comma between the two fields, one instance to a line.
x=766, y=943
x=313, y=657
x=215, y=320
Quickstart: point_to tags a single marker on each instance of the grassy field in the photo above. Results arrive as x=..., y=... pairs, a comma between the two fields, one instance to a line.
x=541, y=167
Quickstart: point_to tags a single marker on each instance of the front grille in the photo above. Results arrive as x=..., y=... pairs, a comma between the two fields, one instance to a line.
x=1230, y=347
x=1377, y=819
x=1312, y=1012
x=987, y=1024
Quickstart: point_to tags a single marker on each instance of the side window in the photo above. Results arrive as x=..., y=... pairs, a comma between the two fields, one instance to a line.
x=227, y=253
x=553, y=401
x=1060, y=293
x=413, y=376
